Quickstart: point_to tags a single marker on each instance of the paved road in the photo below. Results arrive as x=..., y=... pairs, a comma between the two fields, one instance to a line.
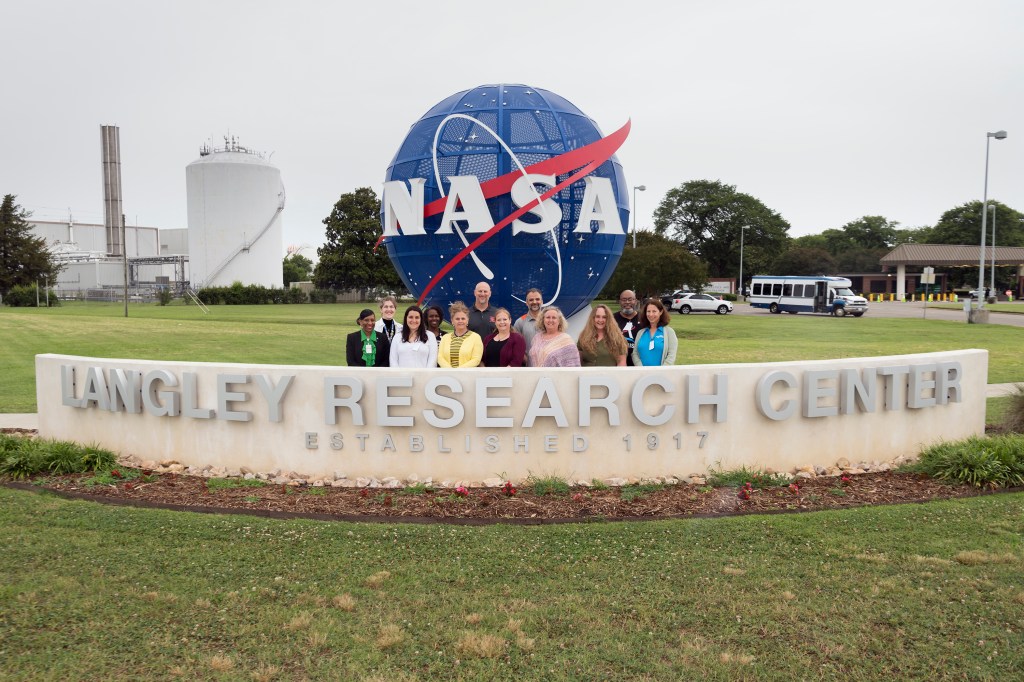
x=917, y=310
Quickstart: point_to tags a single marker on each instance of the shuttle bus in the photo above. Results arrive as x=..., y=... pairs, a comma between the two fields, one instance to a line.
x=817, y=294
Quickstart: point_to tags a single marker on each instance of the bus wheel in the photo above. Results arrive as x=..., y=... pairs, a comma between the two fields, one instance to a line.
x=792, y=312
x=840, y=311
x=774, y=308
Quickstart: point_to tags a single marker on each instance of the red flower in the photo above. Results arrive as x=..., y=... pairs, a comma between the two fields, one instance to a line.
x=365, y=492
x=509, y=489
x=744, y=493
x=115, y=473
x=794, y=488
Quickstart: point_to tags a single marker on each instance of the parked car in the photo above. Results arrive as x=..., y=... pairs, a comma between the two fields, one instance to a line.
x=700, y=303
x=667, y=298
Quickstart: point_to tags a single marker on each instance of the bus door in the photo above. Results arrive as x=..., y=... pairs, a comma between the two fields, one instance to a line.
x=821, y=304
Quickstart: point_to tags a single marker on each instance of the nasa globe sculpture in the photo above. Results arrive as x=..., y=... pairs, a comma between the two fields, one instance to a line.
x=510, y=185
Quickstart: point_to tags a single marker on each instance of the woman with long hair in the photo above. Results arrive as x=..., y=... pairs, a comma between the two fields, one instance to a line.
x=414, y=346
x=505, y=347
x=552, y=347
x=463, y=347
x=656, y=342
x=601, y=343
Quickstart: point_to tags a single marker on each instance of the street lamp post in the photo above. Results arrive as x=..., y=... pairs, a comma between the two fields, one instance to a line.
x=999, y=135
x=992, y=268
x=743, y=231
x=642, y=188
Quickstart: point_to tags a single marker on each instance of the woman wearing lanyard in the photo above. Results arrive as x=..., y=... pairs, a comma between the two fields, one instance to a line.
x=386, y=325
x=504, y=348
x=656, y=342
x=414, y=346
x=461, y=348
x=367, y=348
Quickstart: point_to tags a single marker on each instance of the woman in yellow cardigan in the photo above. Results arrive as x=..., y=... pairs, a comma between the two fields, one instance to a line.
x=461, y=348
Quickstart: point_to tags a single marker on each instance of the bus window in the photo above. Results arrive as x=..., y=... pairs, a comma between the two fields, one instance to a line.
x=787, y=289
x=757, y=289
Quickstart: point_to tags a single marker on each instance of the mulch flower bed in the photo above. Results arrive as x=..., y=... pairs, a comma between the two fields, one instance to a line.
x=487, y=505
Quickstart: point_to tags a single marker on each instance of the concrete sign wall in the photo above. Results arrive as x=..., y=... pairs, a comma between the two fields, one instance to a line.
x=479, y=423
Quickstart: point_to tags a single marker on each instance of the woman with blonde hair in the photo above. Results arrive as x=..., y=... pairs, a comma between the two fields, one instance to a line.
x=601, y=343
x=505, y=347
x=656, y=341
x=387, y=325
x=552, y=347
x=462, y=347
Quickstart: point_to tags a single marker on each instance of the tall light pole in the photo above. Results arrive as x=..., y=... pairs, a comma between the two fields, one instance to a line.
x=999, y=135
x=743, y=231
x=992, y=269
x=642, y=188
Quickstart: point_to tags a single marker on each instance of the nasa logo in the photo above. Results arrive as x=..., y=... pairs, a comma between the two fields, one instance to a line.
x=511, y=185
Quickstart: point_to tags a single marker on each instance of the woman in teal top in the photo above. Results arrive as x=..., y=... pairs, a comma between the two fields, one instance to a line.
x=656, y=343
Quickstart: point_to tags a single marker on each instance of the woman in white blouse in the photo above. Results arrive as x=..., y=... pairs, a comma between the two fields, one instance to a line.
x=413, y=345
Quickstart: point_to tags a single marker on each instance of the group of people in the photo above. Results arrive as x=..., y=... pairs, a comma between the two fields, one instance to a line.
x=485, y=336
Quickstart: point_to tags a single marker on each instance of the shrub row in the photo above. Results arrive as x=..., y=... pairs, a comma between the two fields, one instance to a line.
x=251, y=294
x=24, y=296
x=996, y=461
x=21, y=457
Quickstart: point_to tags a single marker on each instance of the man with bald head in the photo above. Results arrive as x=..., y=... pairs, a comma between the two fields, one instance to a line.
x=628, y=320
x=481, y=315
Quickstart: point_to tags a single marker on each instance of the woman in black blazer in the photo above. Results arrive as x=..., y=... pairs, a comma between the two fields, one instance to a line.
x=366, y=347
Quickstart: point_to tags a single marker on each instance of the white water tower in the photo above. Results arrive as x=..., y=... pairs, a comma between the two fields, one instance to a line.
x=235, y=202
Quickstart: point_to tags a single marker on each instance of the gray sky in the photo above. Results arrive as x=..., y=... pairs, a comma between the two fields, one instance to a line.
x=825, y=111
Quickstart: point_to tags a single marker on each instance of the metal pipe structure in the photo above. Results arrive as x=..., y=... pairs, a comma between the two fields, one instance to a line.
x=743, y=231
x=999, y=135
x=642, y=188
x=110, y=139
x=992, y=268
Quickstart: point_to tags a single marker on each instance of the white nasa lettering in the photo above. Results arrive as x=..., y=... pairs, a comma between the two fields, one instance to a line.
x=549, y=212
x=400, y=207
x=465, y=190
x=403, y=206
x=599, y=207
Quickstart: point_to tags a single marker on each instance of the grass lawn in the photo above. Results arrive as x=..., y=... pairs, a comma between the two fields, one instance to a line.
x=904, y=592
x=929, y=591
x=314, y=335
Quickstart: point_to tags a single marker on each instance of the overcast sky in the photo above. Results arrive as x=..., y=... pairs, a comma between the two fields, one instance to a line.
x=825, y=111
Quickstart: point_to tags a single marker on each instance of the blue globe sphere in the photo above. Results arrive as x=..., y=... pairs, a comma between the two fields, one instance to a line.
x=457, y=137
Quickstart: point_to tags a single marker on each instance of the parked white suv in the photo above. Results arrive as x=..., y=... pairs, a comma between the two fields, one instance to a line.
x=700, y=303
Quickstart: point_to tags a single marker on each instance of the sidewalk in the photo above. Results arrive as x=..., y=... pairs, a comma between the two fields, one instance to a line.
x=31, y=421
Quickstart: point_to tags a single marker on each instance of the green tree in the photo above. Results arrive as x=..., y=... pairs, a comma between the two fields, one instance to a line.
x=708, y=216
x=24, y=258
x=348, y=259
x=804, y=261
x=869, y=232
x=962, y=225
x=656, y=264
x=297, y=268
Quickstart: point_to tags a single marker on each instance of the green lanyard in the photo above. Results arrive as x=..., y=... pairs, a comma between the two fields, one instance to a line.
x=369, y=344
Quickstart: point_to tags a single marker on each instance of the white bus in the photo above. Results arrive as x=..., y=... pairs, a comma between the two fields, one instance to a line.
x=817, y=294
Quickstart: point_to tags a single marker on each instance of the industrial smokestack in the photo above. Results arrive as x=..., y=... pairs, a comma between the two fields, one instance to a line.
x=112, y=205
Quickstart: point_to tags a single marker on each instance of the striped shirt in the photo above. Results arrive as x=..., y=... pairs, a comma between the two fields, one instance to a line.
x=455, y=347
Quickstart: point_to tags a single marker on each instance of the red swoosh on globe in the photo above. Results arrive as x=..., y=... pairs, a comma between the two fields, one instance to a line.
x=590, y=157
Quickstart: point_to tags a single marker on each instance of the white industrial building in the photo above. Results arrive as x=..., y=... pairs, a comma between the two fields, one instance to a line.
x=235, y=201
